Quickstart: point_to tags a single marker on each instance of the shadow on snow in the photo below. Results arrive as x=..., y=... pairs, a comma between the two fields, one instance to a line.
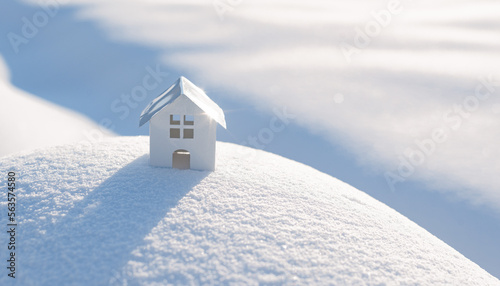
x=97, y=236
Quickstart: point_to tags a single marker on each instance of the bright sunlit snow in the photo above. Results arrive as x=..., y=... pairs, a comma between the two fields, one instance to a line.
x=28, y=122
x=372, y=87
x=403, y=70
x=101, y=215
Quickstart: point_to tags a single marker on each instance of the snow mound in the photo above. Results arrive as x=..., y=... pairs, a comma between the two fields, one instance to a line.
x=4, y=71
x=28, y=122
x=100, y=215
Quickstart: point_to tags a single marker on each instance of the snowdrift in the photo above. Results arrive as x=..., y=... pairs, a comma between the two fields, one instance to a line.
x=100, y=215
x=29, y=122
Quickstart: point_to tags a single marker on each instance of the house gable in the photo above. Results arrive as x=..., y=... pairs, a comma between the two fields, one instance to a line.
x=184, y=87
x=183, y=123
x=198, y=139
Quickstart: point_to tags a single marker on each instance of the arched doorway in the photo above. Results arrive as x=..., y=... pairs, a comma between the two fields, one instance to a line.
x=181, y=159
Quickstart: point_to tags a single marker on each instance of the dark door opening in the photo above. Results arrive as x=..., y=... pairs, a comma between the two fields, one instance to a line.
x=181, y=159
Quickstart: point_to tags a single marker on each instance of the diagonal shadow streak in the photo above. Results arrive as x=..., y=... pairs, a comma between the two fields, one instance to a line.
x=96, y=237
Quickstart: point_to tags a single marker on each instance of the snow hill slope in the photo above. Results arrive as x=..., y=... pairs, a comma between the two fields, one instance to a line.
x=101, y=215
x=28, y=122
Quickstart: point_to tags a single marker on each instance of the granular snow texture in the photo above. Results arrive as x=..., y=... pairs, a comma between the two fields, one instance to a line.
x=100, y=215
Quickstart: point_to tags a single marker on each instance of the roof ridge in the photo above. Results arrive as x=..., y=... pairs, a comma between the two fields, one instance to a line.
x=181, y=84
x=184, y=86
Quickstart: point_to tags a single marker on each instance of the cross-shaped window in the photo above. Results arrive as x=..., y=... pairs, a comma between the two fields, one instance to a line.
x=177, y=125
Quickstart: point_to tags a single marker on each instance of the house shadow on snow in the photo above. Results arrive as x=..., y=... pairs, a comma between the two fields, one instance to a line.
x=97, y=236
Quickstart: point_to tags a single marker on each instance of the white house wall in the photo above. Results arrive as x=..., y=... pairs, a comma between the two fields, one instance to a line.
x=201, y=147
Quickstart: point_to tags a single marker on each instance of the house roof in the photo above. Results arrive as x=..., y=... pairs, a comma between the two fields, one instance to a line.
x=184, y=87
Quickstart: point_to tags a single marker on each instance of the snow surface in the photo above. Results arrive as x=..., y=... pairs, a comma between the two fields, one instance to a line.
x=409, y=76
x=28, y=122
x=98, y=215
